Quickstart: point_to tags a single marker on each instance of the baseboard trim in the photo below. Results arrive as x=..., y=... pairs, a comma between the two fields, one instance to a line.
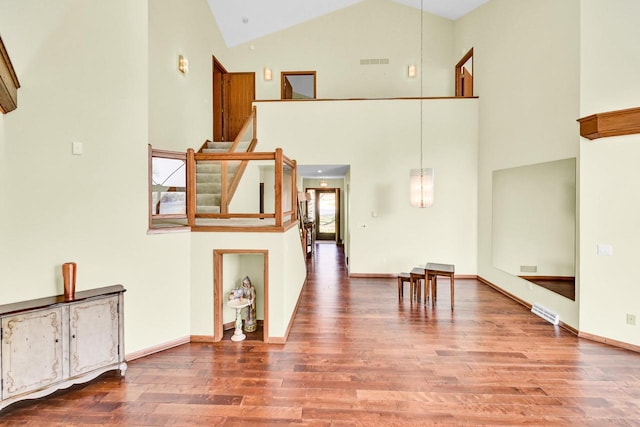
x=394, y=276
x=609, y=341
x=283, y=340
x=202, y=338
x=157, y=348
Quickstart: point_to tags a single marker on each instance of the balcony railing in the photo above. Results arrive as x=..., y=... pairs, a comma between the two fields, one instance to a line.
x=243, y=191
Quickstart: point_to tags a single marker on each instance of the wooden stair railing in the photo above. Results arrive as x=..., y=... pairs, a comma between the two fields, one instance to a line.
x=280, y=160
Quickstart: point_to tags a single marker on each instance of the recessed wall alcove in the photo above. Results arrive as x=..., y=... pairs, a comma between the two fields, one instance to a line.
x=229, y=268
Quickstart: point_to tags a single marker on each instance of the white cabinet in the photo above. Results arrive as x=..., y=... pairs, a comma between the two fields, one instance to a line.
x=50, y=344
x=94, y=335
x=39, y=335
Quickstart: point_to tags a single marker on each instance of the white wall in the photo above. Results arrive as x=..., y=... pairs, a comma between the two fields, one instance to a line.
x=610, y=202
x=380, y=140
x=333, y=45
x=287, y=274
x=180, y=110
x=526, y=74
x=84, y=75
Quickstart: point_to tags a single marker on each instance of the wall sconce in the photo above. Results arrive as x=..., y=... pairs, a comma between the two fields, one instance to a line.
x=183, y=64
x=412, y=70
x=266, y=74
x=421, y=187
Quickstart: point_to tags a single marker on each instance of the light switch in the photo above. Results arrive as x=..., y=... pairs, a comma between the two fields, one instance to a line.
x=76, y=148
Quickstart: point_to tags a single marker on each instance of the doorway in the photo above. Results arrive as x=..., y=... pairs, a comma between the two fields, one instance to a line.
x=233, y=95
x=464, y=75
x=298, y=85
x=324, y=210
x=230, y=266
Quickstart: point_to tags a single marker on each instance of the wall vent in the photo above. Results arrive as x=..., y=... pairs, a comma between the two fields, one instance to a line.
x=374, y=61
x=545, y=313
x=528, y=269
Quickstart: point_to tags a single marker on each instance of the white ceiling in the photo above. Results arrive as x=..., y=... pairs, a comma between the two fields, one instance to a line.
x=241, y=21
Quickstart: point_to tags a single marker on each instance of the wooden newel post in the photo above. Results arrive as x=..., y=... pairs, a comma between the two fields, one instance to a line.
x=191, y=187
x=278, y=190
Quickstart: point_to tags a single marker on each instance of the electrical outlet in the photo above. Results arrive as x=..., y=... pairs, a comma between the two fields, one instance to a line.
x=631, y=319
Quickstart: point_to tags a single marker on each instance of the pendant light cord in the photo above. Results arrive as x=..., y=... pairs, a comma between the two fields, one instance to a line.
x=421, y=74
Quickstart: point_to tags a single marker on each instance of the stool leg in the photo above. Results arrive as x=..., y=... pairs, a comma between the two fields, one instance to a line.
x=400, y=288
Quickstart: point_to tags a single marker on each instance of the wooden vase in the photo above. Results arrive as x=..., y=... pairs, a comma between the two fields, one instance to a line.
x=69, y=278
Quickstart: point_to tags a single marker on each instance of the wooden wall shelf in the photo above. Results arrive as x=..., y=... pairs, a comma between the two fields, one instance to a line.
x=8, y=82
x=612, y=123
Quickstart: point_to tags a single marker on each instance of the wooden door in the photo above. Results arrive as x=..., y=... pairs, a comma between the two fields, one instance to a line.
x=464, y=75
x=467, y=82
x=287, y=89
x=240, y=91
x=233, y=94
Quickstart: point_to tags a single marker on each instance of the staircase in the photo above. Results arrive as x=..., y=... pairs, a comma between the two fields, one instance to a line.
x=209, y=176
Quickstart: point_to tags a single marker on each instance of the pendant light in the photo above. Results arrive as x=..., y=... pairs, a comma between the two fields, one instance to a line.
x=421, y=180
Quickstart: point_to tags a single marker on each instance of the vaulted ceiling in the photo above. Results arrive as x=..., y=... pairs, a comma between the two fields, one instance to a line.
x=241, y=21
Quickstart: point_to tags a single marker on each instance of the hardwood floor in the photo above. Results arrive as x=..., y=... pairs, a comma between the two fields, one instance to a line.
x=358, y=356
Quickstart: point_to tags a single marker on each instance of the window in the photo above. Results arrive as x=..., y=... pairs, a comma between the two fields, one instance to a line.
x=167, y=189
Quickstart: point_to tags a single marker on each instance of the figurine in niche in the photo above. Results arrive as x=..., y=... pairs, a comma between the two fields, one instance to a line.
x=247, y=291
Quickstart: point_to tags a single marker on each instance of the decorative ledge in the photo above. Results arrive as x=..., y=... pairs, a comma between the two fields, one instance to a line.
x=8, y=82
x=612, y=123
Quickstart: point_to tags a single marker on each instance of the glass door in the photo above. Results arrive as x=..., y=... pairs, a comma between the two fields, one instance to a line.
x=327, y=211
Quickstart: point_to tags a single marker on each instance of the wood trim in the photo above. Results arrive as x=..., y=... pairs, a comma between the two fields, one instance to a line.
x=157, y=348
x=609, y=341
x=202, y=338
x=218, y=327
x=278, y=176
x=285, y=74
x=414, y=98
x=505, y=293
x=393, y=276
x=554, y=278
x=523, y=303
x=8, y=82
x=283, y=340
x=611, y=123
x=458, y=72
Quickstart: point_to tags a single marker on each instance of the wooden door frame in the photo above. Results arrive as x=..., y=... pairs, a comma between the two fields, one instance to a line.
x=317, y=208
x=218, y=294
x=458, y=71
x=217, y=83
x=283, y=78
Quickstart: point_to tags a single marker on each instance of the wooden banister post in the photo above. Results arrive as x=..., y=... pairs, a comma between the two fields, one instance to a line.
x=278, y=183
x=191, y=187
x=294, y=191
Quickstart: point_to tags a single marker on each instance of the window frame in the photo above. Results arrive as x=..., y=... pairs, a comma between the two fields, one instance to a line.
x=165, y=154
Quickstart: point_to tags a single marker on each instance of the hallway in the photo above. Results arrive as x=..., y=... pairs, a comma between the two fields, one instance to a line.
x=358, y=356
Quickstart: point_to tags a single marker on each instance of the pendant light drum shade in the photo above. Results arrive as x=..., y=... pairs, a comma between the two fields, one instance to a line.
x=421, y=187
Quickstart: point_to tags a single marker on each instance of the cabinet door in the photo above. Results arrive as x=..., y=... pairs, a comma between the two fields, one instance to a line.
x=31, y=351
x=93, y=335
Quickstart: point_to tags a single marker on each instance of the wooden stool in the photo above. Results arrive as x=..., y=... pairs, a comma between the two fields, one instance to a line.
x=432, y=272
x=417, y=275
x=402, y=279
